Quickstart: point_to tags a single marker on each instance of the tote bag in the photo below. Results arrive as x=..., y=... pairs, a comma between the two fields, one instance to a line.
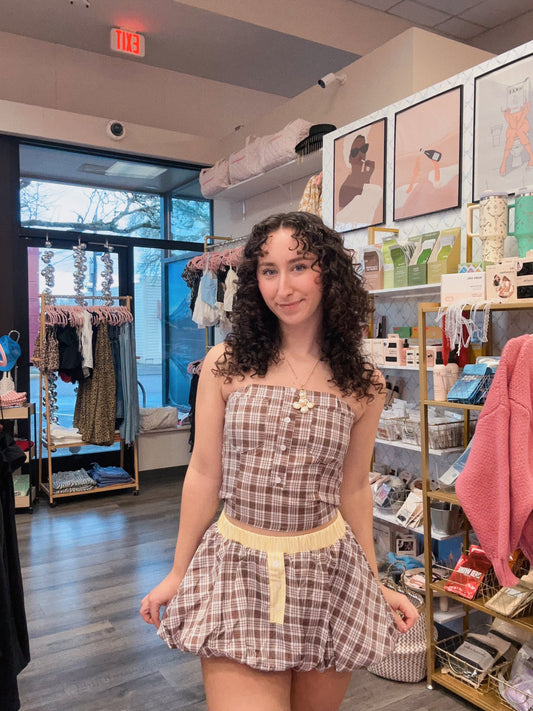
x=408, y=661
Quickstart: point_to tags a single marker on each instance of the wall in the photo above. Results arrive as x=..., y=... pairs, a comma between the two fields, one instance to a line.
x=55, y=92
x=412, y=61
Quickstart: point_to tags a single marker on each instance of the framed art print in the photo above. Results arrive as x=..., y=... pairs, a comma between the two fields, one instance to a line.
x=427, y=155
x=503, y=129
x=359, y=177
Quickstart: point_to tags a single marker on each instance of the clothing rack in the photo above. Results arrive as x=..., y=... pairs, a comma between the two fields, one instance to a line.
x=204, y=256
x=113, y=315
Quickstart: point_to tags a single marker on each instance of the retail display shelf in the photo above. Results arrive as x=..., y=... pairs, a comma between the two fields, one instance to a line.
x=487, y=700
x=392, y=366
x=416, y=448
x=440, y=495
x=454, y=612
x=525, y=623
x=494, y=306
x=452, y=405
x=401, y=291
x=18, y=412
x=389, y=517
x=96, y=489
x=73, y=443
x=275, y=178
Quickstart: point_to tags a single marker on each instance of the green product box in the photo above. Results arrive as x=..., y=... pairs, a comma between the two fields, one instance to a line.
x=445, y=256
x=417, y=269
x=402, y=331
x=400, y=261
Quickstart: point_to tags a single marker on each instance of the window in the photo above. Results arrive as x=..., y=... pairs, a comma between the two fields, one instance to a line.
x=141, y=209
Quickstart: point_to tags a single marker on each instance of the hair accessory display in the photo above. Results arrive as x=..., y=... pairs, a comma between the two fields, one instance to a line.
x=48, y=272
x=107, y=275
x=80, y=264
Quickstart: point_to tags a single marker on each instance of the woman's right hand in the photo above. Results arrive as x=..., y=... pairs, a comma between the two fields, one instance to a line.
x=159, y=597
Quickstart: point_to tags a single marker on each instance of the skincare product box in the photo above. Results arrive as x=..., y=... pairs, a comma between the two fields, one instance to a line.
x=467, y=288
x=401, y=256
x=417, y=269
x=373, y=268
x=388, y=265
x=501, y=281
x=446, y=255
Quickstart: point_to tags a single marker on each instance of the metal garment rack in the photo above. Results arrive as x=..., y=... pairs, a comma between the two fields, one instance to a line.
x=47, y=486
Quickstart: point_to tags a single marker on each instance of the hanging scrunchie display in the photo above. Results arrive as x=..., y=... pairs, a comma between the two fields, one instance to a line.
x=80, y=269
x=107, y=276
x=48, y=273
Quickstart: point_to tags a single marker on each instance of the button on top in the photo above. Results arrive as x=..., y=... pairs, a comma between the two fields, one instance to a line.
x=282, y=447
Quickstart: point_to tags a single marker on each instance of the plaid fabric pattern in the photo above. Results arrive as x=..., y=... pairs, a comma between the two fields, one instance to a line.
x=282, y=471
x=335, y=615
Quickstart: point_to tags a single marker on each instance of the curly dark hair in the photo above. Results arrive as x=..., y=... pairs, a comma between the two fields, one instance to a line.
x=255, y=341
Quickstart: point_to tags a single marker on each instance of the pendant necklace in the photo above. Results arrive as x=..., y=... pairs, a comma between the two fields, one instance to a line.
x=303, y=403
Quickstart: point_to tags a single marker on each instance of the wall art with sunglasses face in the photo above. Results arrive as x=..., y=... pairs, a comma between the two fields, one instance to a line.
x=359, y=177
x=427, y=156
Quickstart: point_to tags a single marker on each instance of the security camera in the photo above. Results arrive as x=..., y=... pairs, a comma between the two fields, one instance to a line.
x=116, y=130
x=330, y=79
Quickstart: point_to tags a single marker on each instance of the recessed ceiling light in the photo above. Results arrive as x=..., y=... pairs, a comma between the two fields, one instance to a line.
x=134, y=170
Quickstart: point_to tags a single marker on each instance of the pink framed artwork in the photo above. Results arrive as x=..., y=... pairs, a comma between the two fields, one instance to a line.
x=427, y=156
x=359, y=177
x=503, y=128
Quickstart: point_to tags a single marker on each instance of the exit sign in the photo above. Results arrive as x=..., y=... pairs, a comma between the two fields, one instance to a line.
x=127, y=42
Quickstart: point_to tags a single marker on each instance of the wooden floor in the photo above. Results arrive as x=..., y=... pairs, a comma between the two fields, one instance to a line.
x=86, y=565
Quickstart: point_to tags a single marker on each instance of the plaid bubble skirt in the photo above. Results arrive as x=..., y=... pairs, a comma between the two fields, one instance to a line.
x=299, y=602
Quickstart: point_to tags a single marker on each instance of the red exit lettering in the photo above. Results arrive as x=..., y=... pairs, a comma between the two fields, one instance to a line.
x=127, y=42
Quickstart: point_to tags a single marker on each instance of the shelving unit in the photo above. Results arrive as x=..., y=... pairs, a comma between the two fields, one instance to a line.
x=49, y=447
x=484, y=699
x=302, y=167
x=25, y=412
x=415, y=448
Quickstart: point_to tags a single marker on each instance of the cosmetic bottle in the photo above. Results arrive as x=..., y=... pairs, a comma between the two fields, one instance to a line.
x=444, y=376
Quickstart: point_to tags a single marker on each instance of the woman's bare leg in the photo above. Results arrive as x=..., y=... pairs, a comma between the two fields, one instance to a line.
x=231, y=686
x=318, y=691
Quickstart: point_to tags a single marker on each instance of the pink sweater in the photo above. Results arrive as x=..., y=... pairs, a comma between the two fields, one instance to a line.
x=495, y=488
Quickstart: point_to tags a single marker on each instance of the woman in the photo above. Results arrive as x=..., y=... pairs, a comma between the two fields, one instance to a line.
x=362, y=170
x=280, y=597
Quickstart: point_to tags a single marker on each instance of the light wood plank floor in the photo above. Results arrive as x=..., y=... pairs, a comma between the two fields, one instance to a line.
x=86, y=565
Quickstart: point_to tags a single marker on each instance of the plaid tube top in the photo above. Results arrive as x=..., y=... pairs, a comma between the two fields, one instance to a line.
x=282, y=469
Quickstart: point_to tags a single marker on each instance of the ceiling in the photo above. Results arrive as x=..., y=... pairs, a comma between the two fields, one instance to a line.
x=185, y=37
x=267, y=46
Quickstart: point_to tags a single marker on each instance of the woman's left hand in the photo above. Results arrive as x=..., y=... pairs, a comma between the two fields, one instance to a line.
x=405, y=613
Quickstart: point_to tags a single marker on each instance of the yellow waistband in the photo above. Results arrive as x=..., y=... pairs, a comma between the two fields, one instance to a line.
x=298, y=543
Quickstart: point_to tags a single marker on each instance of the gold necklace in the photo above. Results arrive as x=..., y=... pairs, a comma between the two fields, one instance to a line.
x=303, y=403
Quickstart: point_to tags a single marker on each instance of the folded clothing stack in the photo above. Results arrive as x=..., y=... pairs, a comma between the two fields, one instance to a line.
x=12, y=399
x=107, y=476
x=62, y=435
x=72, y=481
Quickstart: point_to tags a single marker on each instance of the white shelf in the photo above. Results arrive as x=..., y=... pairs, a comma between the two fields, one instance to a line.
x=454, y=612
x=302, y=167
x=416, y=448
x=389, y=517
x=420, y=290
x=391, y=366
